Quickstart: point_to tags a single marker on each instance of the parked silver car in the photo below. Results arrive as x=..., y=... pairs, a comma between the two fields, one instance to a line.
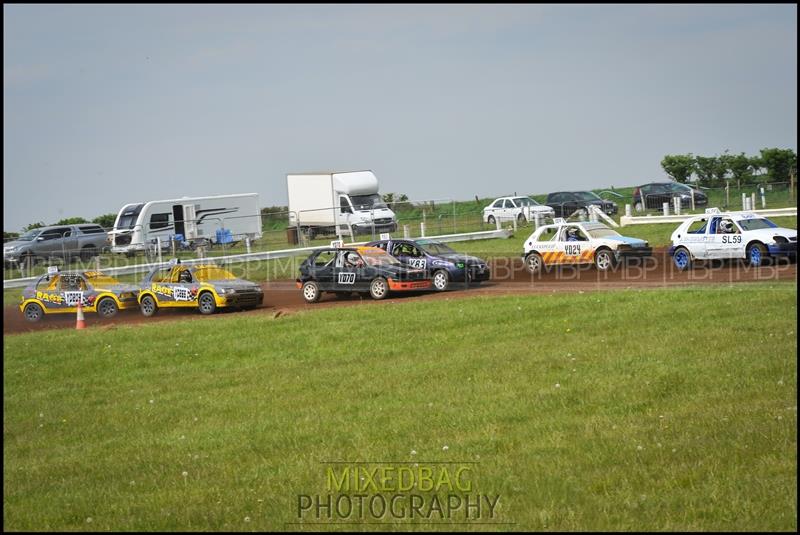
x=58, y=241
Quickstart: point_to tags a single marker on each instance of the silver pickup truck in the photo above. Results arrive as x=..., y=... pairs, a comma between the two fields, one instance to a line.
x=59, y=241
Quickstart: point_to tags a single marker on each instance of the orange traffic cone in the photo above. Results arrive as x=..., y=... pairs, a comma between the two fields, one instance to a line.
x=81, y=324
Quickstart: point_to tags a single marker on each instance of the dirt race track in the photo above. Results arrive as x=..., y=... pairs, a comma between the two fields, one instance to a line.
x=508, y=277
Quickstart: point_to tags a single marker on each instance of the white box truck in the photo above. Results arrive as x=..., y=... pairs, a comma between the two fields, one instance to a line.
x=329, y=203
x=197, y=220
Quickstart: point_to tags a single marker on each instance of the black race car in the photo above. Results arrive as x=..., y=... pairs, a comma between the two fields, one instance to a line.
x=357, y=269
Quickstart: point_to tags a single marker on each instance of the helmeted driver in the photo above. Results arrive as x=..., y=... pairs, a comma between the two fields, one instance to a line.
x=185, y=276
x=726, y=227
x=572, y=234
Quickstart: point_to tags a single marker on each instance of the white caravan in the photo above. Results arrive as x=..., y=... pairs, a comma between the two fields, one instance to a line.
x=321, y=202
x=214, y=219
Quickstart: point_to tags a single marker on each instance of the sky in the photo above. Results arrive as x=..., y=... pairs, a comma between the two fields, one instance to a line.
x=105, y=105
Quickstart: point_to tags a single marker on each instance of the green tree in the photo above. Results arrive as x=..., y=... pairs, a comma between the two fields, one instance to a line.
x=679, y=166
x=32, y=226
x=740, y=168
x=10, y=235
x=106, y=220
x=778, y=163
x=72, y=221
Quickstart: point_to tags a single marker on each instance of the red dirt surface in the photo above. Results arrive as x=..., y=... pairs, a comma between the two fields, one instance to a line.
x=508, y=277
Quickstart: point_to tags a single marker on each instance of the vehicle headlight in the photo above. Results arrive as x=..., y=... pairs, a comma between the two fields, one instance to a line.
x=227, y=291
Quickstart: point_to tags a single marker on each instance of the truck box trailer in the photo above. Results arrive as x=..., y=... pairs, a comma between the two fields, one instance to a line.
x=324, y=203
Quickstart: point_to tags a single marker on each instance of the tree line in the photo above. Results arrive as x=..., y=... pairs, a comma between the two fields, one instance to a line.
x=770, y=165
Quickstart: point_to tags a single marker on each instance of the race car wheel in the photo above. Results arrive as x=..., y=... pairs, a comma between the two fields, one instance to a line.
x=441, y=280
x=491, y=220
x=604, y=259
x=756, y=254
x=33, y=312
x=682, y=258
x=311, y=292
x=148, y=306
x=107, y=308
x=206, y=303
x=378, y=288
x=533, y=263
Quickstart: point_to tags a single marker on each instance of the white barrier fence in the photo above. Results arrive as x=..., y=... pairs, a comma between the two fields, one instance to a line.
x=677, y=218
x=266, y=255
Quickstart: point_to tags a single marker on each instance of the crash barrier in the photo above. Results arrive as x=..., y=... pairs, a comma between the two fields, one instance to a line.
x=676, y=218
x=267, y=255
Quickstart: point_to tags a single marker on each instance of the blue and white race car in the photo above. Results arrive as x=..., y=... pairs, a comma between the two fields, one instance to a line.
x=726, y=235
x=443, y=264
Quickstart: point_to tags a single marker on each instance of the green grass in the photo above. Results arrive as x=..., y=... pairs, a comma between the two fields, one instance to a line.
x=673, y=411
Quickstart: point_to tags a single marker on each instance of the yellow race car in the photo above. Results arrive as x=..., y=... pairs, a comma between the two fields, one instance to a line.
x=59, y=293
x=204, y=287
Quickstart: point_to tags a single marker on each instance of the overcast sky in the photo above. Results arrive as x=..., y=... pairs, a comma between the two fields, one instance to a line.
x=106, y=105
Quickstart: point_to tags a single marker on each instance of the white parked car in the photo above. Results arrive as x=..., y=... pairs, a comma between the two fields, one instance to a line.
x=717, y=235
x=580, y=243
x=523, y=209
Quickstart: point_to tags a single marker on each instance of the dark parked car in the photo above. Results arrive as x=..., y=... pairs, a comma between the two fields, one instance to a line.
x=443, y=264
x=59, y=241
x=657, y=193
x=565, y=203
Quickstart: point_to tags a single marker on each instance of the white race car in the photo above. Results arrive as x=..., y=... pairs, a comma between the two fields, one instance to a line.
x=580, y=243
x=717, y=235
x=520, y=208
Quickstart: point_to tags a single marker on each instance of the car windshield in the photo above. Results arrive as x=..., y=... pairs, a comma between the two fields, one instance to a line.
x=587, y=196
x=756, y=223
x=30, y=235
x=212, y=273
x=674, y=186
x=96, y=278
x=367, y=202
x=525, y=201
x=435, y=248
x=603, y=233
x=379, y=257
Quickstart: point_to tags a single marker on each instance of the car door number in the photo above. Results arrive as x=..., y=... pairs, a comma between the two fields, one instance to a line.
x=573, y=249
x=347, y=278
x=418, y=263
x=732, y=239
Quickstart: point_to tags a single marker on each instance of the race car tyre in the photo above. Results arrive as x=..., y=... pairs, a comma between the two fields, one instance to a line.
x=206, y=303
x=682, y=258
x=33, y=312
x=378, y=288
x=148, y=306
x=491, y=220
x=756, y=254
x=604, y=259
x=88, y=252
x=441, y=280
x=311, y=292
x=533, y=263
x=107, y=308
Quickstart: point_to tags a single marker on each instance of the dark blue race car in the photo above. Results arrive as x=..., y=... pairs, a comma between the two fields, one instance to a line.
x=443, y=264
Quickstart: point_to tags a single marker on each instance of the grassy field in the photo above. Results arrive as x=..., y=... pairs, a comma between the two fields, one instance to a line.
x=632, y=410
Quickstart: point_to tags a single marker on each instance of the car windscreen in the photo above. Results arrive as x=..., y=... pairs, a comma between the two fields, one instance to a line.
x=587, y=196
x=379, y=257
x=525, y=201
x=435, y=248
x=213, y=274
x=756, y=223
x=367, y=202
x=30, y=235
x=678, y=188
x=603, y=233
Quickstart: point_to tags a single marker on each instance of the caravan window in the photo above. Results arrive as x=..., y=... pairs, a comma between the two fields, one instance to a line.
x=158, y=221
